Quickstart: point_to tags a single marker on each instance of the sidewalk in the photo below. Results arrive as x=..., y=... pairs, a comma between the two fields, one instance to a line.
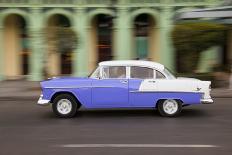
x=28, y=90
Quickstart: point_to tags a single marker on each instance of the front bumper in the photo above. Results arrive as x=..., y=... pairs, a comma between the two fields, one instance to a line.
x=207, y=101
x=42, y=101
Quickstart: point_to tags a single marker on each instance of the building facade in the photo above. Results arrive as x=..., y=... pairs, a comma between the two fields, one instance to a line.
x=106, y=30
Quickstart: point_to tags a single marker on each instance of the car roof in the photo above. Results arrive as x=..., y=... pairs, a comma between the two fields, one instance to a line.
x=141, y=63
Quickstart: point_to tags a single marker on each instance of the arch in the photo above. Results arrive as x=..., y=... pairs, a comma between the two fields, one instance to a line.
x=16, y=11
x=96, y=37
x=146, y=42
x=15, y=45
x=63, y=12
x=104, y=11
x=155, y=14
x=57, y=62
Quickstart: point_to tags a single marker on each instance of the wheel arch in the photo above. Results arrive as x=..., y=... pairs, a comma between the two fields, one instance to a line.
x=161, y=100
x=65, y=92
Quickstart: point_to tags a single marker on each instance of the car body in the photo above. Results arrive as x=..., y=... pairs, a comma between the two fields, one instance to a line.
x=125, y=84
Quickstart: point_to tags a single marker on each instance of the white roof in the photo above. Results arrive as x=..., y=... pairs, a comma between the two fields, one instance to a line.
x=141, y=63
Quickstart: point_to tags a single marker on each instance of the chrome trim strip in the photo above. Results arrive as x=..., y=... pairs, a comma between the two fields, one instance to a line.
x=103, y=87
x=60, y=87
x=137, y=91
x=79, y=87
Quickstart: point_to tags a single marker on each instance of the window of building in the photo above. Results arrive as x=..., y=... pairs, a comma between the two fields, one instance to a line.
x=114, y=72
x=141, y=72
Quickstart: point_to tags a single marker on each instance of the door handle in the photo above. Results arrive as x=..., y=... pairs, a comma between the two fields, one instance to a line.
x=123, y=81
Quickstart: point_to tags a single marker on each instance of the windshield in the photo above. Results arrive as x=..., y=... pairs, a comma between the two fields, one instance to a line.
x=95, y=73
x=169, y=74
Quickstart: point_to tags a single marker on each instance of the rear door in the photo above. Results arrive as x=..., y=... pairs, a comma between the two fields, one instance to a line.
x=138, y=98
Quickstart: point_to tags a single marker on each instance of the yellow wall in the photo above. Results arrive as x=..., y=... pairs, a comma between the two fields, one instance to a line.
x=93, y=51
x=53, y=58
x=12, y=48
x=153, y=42
x=53, y=63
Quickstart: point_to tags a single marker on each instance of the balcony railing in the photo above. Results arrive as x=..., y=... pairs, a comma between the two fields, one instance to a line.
x=193, y=1
x=15, y=1
x=100, y=1
x=104, y=2
x=58, y=1
x=144, y=1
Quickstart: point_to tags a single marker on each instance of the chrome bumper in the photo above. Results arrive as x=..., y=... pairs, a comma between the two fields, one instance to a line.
x=207, y=101
x=42, y=101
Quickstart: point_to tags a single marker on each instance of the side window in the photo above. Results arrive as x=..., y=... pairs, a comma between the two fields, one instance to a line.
x=159, y=75
x=114, y=72
x=141, y=72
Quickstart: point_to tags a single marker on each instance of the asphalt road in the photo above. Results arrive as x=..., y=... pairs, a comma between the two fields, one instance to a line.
x=27, y=129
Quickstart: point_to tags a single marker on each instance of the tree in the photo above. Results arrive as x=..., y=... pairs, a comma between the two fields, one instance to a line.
x=59, y=40
x=190, y=39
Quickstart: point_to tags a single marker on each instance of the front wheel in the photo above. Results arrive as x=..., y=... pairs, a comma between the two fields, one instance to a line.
x=64, y=106
x=169, y=108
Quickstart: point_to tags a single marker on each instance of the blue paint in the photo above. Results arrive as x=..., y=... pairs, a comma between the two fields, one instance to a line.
x=149, y=99
x=112, y=93
x=79, y=87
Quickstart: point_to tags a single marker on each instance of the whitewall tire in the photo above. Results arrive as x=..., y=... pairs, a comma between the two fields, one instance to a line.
x=65, y=106
x=169, y=107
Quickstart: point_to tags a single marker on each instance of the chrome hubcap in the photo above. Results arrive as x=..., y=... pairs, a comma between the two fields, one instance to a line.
x=170, y=106
x=64, y=106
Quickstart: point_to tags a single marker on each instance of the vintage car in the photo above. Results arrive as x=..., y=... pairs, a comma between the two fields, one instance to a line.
x=124, y=84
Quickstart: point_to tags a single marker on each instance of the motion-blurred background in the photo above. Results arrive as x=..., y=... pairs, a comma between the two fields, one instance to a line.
x=45, y=38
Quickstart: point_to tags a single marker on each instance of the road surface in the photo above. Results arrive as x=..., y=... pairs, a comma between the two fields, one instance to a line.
x=27, y=129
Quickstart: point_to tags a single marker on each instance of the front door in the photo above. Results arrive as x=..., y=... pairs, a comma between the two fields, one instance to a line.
x=111, y=90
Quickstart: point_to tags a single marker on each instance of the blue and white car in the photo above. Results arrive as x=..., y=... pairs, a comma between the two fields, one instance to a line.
x=124, y=84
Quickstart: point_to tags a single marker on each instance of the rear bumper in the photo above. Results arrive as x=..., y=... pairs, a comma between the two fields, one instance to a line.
x=207, y=101
x=42, y=101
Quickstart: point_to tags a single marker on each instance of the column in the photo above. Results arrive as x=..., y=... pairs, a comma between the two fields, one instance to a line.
x=166, y=50
x=1, y=49
x=81, y=53
x=123, y=34
x=37, y=57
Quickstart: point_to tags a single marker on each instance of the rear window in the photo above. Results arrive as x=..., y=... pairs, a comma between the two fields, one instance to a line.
x=141, y=72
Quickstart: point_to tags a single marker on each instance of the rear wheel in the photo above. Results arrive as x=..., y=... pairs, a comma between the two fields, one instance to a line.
x=169, y=108
x=65, y=106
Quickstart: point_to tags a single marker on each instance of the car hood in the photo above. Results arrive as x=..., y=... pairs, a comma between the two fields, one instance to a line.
x=66, y=82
